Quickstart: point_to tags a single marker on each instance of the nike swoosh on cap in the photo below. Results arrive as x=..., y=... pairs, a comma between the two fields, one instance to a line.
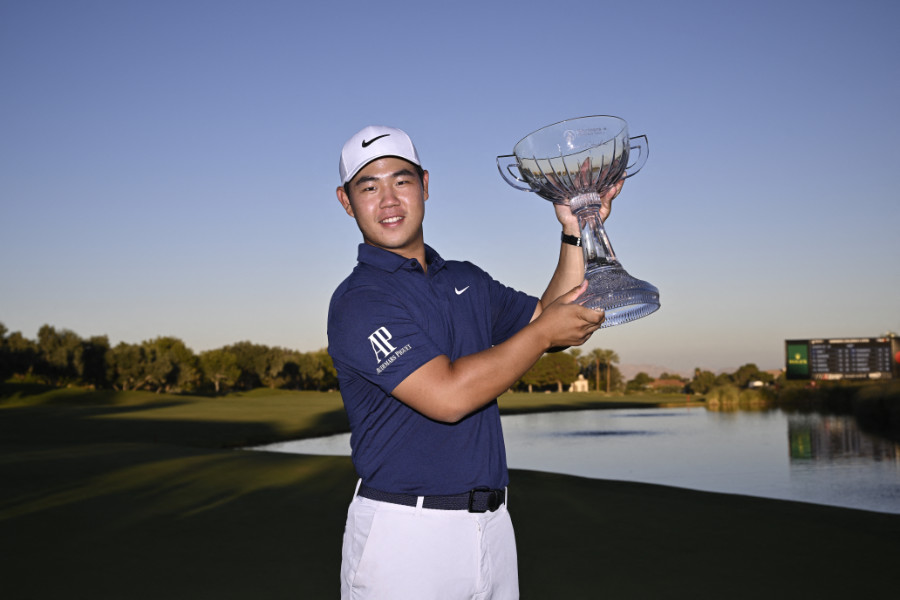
x=458, y=292
x=367, y=143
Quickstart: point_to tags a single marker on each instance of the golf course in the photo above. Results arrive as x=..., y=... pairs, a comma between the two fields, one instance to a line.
x=138, y=495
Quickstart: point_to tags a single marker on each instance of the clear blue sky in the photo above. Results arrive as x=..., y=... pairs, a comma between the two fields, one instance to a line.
x=168, y=167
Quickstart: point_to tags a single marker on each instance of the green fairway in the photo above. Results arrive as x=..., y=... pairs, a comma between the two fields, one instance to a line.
x=138, y=495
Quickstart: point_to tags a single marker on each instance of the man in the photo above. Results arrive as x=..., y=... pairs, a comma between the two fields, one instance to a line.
x=423, y=346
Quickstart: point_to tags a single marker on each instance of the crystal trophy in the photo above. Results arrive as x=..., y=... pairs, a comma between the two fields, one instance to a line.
x=575, y=162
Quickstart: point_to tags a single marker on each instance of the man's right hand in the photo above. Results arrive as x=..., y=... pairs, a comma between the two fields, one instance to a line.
x=564, y=323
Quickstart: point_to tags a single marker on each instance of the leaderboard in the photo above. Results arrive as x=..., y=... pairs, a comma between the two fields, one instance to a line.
x=849, y=358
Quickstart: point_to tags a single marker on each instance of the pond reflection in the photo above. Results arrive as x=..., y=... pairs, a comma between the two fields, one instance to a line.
x=820, y=437
x=601, y=433
x=811, y=458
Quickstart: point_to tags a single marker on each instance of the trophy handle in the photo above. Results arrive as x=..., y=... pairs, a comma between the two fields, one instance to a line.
x=505, y=164
x=640, y=144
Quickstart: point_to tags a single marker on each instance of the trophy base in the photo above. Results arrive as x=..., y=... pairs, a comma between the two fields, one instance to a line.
x=622, y=297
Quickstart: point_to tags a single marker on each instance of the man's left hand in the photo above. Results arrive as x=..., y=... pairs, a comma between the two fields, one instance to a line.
x=570, y=222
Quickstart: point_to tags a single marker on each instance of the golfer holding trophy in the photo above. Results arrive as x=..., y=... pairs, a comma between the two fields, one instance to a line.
x=423, y=346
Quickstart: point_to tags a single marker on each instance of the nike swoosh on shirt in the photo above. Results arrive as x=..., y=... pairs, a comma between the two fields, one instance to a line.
x=458, y=292
x=367, y=143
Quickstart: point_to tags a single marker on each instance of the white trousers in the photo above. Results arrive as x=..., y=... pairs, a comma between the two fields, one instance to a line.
x=406, y=552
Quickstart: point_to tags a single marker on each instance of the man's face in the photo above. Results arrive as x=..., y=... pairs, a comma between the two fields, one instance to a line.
x=387, y=199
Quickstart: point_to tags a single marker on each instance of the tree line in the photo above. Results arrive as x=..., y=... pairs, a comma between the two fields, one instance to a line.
x=164, y=364
x=60, y=357
x=556, y=371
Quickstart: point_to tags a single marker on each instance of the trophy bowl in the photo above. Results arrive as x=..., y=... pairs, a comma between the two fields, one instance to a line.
x=574, y=162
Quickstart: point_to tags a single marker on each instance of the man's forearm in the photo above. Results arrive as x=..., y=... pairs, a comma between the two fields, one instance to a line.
x=447, y=390
x=569, y=273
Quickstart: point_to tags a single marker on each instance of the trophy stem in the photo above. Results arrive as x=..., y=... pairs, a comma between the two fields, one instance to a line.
x=610, y=288
x=598, y=251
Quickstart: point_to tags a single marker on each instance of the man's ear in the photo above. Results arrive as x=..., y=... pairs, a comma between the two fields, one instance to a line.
x=425, y=184
x=345, y=201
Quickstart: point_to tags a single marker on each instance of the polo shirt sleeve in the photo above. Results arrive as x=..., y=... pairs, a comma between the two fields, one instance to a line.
x=511, y=310
x=373, y=334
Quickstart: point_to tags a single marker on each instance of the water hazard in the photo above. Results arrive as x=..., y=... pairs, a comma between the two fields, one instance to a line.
x=773, y=454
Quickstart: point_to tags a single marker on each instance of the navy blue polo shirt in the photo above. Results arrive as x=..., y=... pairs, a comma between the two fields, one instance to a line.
x=387, y=319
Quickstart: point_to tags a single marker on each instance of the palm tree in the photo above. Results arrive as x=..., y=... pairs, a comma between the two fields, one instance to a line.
x=583, y=361
x=607, y=358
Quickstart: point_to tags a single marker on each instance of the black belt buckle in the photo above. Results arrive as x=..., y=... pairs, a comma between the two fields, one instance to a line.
x=494, y=500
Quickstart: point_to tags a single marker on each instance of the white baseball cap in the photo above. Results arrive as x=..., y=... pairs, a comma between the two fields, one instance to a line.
x=373, y=142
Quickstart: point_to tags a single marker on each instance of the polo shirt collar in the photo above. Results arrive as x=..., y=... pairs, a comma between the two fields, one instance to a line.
x=391, y=262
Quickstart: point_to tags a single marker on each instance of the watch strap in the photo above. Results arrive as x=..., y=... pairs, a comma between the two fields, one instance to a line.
x=571, y=240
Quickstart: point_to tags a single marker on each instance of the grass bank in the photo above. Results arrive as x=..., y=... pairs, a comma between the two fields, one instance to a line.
x=137, y=495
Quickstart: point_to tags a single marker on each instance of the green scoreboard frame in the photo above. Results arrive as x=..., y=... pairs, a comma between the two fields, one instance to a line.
x=847, y=358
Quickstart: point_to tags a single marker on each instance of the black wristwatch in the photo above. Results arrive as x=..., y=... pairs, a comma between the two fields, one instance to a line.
x=571, y=239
